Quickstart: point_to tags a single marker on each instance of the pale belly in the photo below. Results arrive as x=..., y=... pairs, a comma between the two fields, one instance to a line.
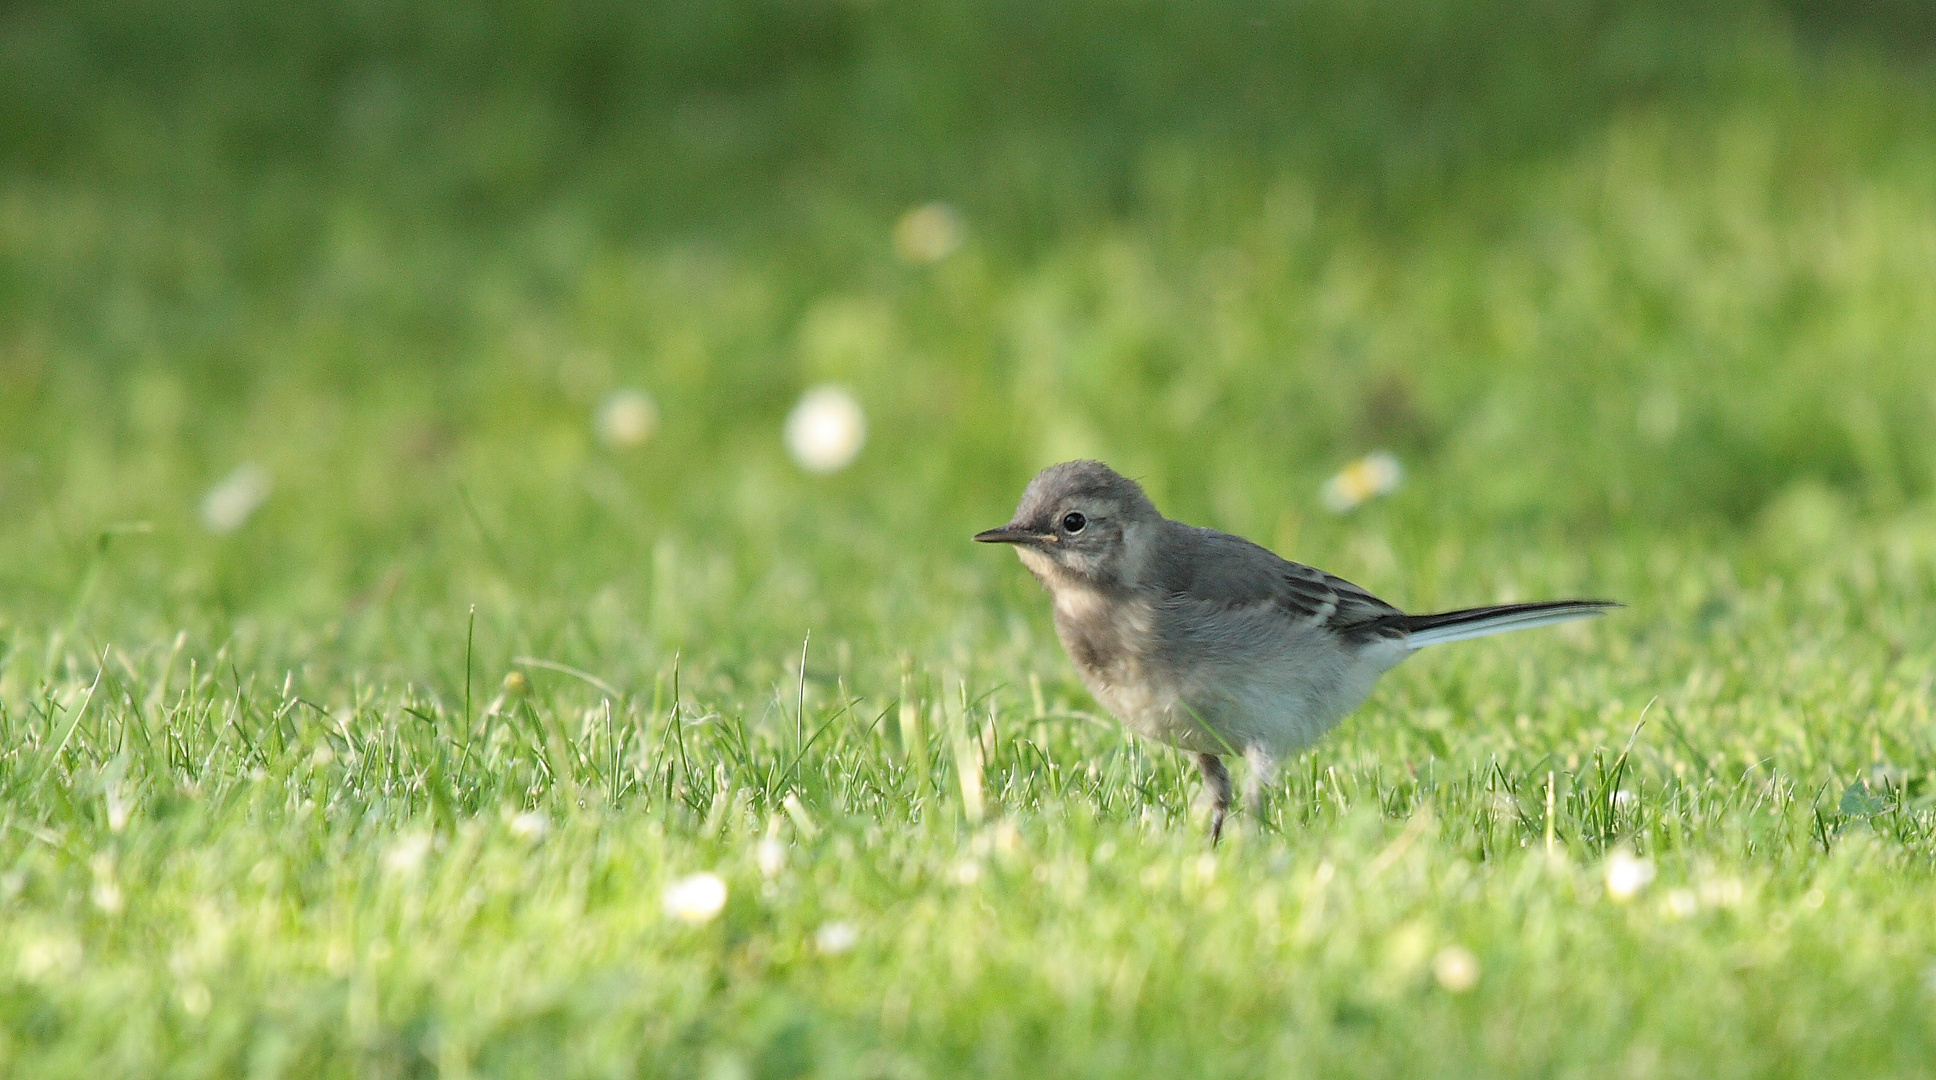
x=1162, y=717
x=1238, y=699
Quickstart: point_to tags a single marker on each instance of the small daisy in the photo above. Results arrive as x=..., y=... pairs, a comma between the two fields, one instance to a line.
x=1456, y=968
x=1377, y=473
x=826, y=430
x=407, y=852
x=696, y=898
x=627, y=419
x=530, y=825
x=119, y=809
x=770, y=855
x=835, y=938
x=929, y=233
x=107, y=891
x=1627, y=875
x=230, y=503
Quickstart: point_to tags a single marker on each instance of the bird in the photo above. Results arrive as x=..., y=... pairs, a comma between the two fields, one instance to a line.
x=1211, y=643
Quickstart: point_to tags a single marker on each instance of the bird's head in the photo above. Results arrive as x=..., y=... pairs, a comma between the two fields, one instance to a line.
x=1081, y=523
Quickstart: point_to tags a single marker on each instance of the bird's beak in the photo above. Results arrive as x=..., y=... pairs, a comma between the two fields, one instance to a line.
x=1013, y=534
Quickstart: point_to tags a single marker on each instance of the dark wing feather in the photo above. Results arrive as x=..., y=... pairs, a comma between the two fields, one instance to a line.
x=1337, y=603
x=1224, y=570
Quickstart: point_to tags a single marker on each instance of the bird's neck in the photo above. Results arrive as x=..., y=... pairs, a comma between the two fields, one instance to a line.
x=1105, y=630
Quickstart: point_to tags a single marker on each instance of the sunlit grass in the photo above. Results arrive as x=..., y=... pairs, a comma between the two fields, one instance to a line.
x=639, y=870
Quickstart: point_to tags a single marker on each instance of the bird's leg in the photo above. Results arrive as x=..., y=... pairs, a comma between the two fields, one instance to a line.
x=1217, y=779
x=1261, y=774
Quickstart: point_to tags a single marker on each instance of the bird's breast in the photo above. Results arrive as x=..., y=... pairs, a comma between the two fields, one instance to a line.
x=1110, y=641
x=1102, y=633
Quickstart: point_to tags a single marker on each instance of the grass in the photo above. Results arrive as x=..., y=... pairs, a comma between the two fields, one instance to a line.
x=393, y=778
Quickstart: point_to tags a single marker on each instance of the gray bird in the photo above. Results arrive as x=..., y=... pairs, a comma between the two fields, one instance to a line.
x=1208, y=642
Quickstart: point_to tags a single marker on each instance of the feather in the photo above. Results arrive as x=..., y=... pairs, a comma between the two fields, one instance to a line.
x=1423, y=630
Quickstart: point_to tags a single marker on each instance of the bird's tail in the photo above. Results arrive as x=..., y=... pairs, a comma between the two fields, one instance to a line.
x=1423, y=630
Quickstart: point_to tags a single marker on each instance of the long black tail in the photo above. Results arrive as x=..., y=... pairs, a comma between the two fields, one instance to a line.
x=1423, y=630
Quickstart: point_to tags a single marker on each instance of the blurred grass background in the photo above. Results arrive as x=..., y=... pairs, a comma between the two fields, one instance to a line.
x=1586, y=266
x=1640, y=294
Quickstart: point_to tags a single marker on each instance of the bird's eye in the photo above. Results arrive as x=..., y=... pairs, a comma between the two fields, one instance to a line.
x=1073, y=522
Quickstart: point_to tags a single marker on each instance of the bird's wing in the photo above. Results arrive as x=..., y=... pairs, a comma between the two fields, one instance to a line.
x=1219, y=569
x=1333, y=601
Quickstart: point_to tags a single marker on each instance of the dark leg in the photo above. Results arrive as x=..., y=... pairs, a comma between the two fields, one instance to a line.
x=1217, y=779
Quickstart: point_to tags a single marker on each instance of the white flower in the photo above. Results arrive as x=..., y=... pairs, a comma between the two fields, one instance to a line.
x=770, y=855
x=1456, y=968
x=107, y=892
x=1681, y=903
x=835, y=938
x=696, y=898
x=1627, y=875
x=929, y=233
x=118, y=808
x=230, y=503
x=825, y=430
x=1377, y=473
x=530, y=825
x=627, y=419
x=407, y=852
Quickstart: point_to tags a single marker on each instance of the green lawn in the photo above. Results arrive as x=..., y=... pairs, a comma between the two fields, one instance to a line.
x=398, y=775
